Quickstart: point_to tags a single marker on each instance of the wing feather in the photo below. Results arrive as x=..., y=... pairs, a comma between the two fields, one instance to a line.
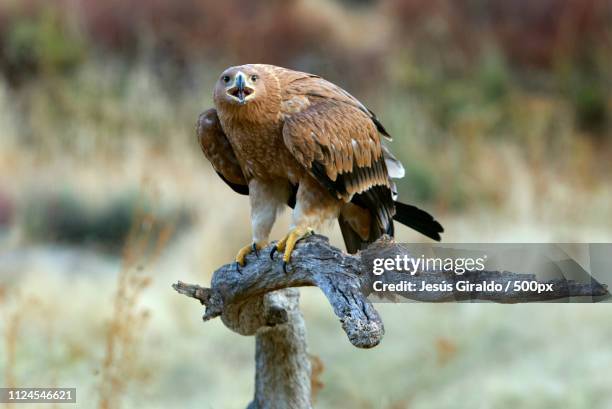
x=318, y=89
x=219, y=152
x=340, y=143
x=340, y=147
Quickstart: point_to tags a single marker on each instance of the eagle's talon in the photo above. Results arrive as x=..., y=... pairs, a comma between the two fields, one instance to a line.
x=246, y=250
x=285, y=264
x=272, y=252
x=287, y=243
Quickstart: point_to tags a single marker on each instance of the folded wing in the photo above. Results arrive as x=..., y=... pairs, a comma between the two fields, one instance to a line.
x=339, y=145
x=219, y=152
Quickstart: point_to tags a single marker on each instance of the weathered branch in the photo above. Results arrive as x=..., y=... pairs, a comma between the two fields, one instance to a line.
x=257, y=299
x=346, y=280
x=314, y=263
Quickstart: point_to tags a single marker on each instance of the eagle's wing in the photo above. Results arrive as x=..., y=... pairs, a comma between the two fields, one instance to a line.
x=339, y=145
x=219, y=152
x=335, y=137
x=297, y=84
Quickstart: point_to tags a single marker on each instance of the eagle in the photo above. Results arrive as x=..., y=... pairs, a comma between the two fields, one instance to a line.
x=289, y=138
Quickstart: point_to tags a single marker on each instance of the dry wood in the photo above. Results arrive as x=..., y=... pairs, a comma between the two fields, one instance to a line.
x=257, y=299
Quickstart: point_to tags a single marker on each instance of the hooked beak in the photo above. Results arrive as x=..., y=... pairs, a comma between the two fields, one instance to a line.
x=240, y=90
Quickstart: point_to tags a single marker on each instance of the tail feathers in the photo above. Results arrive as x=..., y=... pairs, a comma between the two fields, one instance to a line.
x=354, y=242
x=407, y=215
x=418, y=220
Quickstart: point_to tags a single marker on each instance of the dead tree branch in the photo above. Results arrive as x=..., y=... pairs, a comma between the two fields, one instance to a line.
x=249, y=302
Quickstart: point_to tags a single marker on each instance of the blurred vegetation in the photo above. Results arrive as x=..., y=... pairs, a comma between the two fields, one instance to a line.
x=461, y=56
x=68, y=218
x=37, y=43
x=469, y=88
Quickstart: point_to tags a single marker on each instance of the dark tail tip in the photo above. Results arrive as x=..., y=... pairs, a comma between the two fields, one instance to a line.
x=418, y=220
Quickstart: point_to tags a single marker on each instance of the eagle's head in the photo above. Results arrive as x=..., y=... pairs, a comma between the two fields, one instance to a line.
x=240, y=85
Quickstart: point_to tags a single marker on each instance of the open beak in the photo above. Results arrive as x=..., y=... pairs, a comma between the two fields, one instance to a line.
x=240, y=90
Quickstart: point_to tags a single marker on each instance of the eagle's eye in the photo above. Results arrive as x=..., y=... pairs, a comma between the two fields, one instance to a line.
x=254, y=78
x=226, y=78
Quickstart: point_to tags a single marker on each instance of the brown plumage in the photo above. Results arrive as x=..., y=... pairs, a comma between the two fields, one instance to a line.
x=288, y=137
x=219, y=152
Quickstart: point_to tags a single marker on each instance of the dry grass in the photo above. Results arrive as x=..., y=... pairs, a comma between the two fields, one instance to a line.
x=122, y=365
x=11, y=332
x=316, y=384
x=17, y=312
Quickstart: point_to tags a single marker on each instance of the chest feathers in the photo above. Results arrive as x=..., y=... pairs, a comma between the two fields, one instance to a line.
x=257, y=140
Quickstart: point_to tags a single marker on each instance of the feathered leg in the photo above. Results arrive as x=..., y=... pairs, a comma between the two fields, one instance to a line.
x=313, y=207
x=267, y=200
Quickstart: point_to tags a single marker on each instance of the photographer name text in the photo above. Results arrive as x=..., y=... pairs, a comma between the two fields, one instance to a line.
x=459, y=266
x=464, y=286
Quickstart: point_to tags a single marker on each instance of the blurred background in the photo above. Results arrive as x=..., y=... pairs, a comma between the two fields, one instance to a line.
x=500, y=110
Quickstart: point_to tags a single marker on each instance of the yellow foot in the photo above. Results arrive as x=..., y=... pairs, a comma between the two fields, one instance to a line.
x=246, y=250
x=287, y=243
